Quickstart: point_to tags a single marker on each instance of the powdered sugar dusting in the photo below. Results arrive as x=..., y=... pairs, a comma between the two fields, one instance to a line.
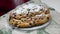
x=24, y=9
x=41, y=15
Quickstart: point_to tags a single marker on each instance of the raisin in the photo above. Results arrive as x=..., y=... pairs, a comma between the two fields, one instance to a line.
x=27, y=14
x=31, y=15
x=14, y=18
x=19, y=18
x=41, y=18
x=28, y=9
x=14, y=14
x=41, y=9
x=48, y=18
x=33, y=21
x=30, y=23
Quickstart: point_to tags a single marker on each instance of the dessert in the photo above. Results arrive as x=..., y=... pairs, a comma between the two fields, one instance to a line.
x=29, y=15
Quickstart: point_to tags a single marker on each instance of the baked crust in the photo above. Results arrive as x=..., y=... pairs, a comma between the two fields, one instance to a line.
x=30, y=19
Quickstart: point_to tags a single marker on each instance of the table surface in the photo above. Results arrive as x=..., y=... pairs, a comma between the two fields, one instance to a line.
x=53, y=28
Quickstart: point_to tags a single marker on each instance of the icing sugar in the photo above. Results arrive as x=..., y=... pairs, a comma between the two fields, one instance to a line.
x=33, y=8
x=24, y=11
x=18, y=11
x=41, y=14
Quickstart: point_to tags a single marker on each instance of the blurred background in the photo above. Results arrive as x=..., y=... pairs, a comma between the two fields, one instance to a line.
x=53, y=3
x=7, y=5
